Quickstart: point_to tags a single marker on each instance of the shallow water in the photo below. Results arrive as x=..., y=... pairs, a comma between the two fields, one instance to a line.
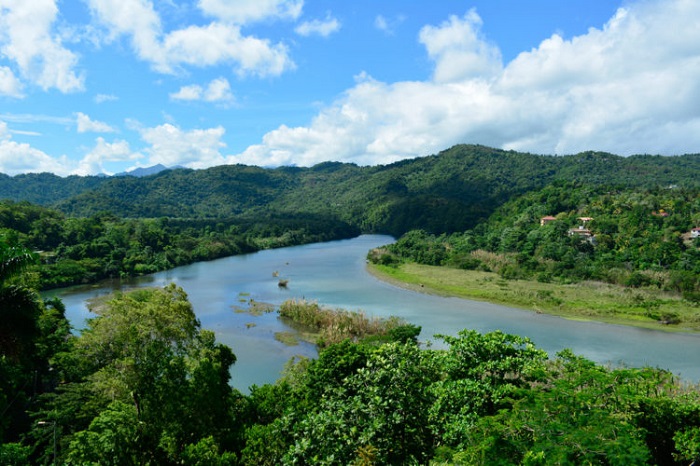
x=334, y=274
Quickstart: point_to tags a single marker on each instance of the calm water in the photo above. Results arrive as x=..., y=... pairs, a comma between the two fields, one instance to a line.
x=334, y=274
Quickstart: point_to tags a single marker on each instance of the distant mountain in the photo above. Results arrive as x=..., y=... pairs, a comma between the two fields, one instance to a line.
x=447, y=192
x=145, y=171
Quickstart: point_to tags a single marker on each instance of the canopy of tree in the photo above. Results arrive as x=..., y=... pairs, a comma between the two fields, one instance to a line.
x=451, y=191
x=627, y=236
x=145, y=384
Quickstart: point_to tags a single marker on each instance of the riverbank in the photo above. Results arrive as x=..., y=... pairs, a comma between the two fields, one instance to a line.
x=639, y=307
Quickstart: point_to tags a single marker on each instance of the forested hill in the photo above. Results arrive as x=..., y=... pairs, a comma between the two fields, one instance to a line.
x=451, y=191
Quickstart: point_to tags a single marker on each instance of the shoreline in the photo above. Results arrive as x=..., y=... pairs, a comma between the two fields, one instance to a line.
x=594, y=302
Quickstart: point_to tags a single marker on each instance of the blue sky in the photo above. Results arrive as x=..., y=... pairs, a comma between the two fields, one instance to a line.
x=103, y=86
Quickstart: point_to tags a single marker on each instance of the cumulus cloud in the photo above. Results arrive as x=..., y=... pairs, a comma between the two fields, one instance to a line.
x=221, y=43
x=630, y=87
x=218, y=91
x=9, y=84
x=459, y=50
x=170, y=145
x=104, y=152
x=87, y=125
x=317, y=27
x=191, y=92
x=16, y=158
x=246, y=11
x=202, y=45
x=27, y=39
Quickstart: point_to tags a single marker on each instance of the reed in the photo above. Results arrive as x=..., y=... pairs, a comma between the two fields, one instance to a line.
x=330, y=326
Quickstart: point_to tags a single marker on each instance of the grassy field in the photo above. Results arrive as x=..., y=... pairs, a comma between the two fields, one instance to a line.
x=641, y=307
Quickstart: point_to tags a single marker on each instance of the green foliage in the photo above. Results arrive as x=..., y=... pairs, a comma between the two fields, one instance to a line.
x=688, y=444
x=640, y=238
x=14, y=454
x=148, y=385
x=378, y=406
x=31, y=335
x=486, y=399
x=332, y=326
x=84, y=250
x=448, y=192
x=144, y=384
x=111, y=439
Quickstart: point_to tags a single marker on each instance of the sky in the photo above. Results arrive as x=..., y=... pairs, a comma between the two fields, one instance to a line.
x=105, y=86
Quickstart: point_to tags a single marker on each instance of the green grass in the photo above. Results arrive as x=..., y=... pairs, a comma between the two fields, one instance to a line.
x=649, y=308
x=287, y=338
x=254, y=308
x=324, y=326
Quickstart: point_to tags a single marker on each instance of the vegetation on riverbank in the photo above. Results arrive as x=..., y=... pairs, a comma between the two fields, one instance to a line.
x=570, y=233
x=145, y=384
x=588, y=236
x=641, y=307
x=628, y=256
x=324, y=327
x=84, y=250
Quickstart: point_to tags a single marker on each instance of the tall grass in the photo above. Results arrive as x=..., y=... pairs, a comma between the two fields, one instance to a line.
x=335, y=325
x=647, y=307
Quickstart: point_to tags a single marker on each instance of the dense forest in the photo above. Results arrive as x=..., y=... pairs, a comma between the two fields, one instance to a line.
x=144, y=383
x=448, y=192
x=77, y=250
x=575, y=231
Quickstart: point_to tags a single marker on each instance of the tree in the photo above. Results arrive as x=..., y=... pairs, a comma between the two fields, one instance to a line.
x=583, y=414
x=148, y=373
x=378, y=410
x=20, y=308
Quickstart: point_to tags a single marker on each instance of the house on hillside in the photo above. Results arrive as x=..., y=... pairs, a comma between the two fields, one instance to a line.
x=545, y=220
x=581, y=231
x=695, y=232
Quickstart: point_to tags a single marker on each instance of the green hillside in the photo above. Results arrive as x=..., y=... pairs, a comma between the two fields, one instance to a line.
x=447, y=192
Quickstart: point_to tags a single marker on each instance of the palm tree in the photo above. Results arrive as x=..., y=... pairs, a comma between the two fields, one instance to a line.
x=20, y=309
x=19, y=305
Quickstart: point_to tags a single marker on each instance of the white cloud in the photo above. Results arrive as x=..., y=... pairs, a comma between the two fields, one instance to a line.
x=630, y=87
x=104, y=152
x=381, y=23
x=102, y=98
x=136, y=18
x=388, y=26
x=221, y=43
x=27, y=39
x=170, y=145
x=9, y=84
x=459, y=50
x=246, y=11
x=218, y=91
x=206, y=45
x=87, y=125
x=191, y=92
x=323, y=28
x=16, y=158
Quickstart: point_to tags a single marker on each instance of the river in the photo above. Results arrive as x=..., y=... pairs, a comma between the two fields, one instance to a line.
x=334, y=274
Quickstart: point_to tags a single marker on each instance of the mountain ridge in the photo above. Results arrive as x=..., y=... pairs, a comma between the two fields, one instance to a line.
x=445, y=192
